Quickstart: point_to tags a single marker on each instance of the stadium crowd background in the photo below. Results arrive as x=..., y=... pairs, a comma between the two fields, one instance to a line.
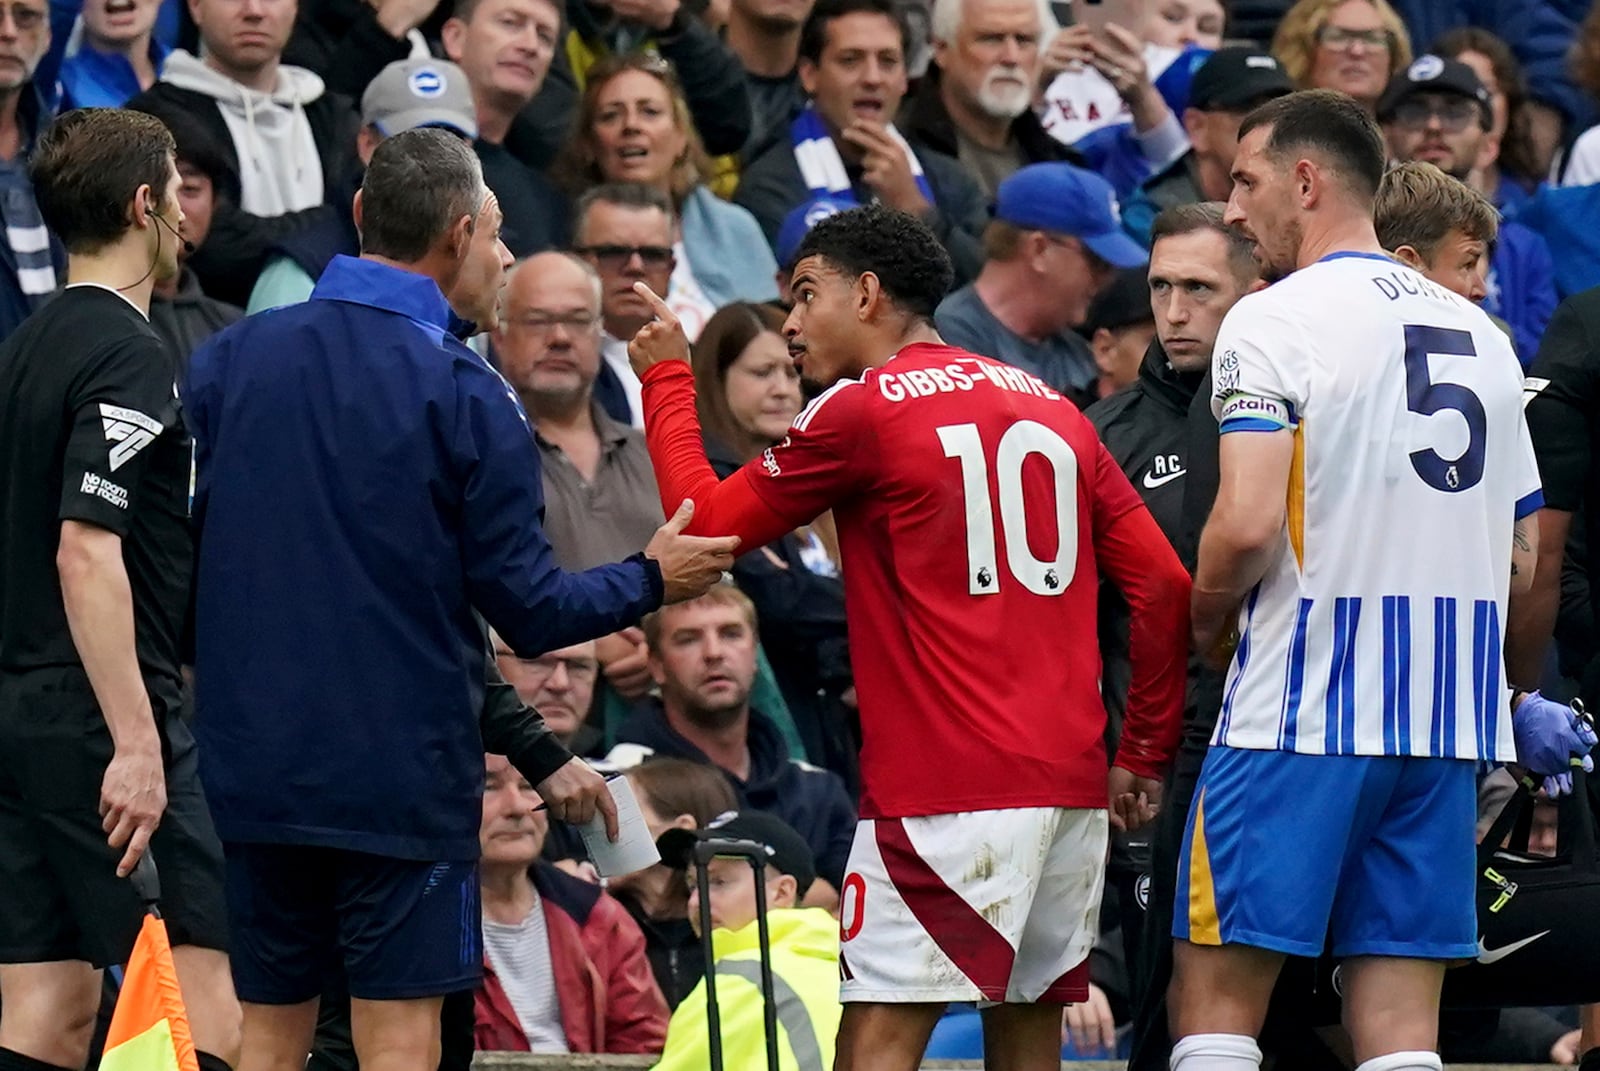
x=690, y=145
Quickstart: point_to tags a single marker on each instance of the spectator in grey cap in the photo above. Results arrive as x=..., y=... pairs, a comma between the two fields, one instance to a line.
x=406, y=94
x=1224, y=90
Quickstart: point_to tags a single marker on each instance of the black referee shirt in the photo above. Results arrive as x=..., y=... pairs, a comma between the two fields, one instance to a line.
x=90, y=431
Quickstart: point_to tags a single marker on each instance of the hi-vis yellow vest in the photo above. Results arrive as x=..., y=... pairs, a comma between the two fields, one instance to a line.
x=805, y=981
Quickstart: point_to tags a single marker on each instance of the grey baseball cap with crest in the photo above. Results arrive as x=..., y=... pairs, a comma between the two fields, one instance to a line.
x=411, y=93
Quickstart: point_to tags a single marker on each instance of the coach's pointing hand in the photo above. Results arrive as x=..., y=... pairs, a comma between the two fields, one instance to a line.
x=662, y=339
x=689, y=564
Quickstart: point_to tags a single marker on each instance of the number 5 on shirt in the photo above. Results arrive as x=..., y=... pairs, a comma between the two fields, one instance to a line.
x=1425, y=396
x=1021, y=440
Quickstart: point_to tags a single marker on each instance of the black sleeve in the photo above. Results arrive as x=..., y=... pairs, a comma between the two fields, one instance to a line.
x=361, y=52
x=512, y=728
x=236, y=247
x=125, y=398
x=1205, y=474
x=713, y=83
x=1562, y=384
x=769, y=188
x=959, y=216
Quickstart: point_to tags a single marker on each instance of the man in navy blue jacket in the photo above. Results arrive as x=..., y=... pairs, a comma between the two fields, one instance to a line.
x=367, y=486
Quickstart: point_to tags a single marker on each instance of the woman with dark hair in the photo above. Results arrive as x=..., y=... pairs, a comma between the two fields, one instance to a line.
x=633, y=125
x=672, y=794
x=748, y=393
x=1508, y=178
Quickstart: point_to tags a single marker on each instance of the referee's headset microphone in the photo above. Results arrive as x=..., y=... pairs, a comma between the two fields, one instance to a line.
x=188, y=246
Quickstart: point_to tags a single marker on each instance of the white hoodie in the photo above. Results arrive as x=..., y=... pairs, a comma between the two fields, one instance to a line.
x=279, y=169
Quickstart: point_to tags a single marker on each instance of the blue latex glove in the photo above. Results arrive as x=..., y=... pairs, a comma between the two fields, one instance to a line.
x=1552, y=738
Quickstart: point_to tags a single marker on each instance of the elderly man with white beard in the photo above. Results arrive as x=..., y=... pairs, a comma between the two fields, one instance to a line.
x=975, y=102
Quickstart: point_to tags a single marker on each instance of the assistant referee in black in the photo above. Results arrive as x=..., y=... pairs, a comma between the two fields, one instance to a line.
x=96, y=766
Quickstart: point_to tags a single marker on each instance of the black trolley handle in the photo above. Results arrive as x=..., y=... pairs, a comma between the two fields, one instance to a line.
x=756, y=854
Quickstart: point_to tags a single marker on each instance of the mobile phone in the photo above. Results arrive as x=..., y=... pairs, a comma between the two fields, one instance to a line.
x=1062, y=10
x=1129, y=14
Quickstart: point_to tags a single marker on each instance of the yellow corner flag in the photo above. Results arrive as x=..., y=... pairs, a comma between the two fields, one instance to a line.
x=150, y=1029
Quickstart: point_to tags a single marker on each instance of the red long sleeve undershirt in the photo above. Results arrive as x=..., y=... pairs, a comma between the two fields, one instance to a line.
x=677, y=451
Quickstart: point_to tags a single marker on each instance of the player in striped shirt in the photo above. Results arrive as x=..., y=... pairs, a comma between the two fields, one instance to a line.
x=1377, y=486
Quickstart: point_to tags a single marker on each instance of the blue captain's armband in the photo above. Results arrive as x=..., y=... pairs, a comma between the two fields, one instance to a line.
x=1252, y=412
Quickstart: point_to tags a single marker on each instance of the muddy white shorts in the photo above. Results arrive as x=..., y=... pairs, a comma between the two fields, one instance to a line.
x=995, y=906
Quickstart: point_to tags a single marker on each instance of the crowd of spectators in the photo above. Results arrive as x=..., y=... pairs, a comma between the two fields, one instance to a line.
x=689, y=145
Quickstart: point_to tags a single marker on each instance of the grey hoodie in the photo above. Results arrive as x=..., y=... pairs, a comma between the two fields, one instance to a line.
x=279, y=169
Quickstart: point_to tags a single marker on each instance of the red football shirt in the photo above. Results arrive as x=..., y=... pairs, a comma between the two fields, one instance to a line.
x=975, y=509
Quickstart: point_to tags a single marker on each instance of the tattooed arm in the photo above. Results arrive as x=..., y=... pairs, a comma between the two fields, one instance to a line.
x=1524, y=553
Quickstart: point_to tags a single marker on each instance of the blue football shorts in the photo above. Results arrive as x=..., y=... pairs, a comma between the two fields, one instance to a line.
x=399, y=928
x=1366, y=855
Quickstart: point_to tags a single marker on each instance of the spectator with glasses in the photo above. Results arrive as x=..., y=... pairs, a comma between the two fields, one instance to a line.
x=559, y=685
x=600, y=491
x=1353, y=46
x=1437, y=111
x=624, y=230
x=633, y=125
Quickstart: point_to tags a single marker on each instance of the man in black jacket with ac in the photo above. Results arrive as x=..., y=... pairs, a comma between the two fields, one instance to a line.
x=1199, y=267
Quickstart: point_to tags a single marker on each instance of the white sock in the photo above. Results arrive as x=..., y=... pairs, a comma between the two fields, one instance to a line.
x=1404, y=1061
x=1217, y=1052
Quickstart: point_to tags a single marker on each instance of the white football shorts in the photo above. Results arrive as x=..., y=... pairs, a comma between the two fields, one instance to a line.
x=997, y=906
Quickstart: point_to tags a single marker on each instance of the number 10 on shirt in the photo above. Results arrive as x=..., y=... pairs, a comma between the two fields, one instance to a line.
x=1020, y=441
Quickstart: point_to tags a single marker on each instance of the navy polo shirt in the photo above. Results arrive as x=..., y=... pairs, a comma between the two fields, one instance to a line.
x=364, y=483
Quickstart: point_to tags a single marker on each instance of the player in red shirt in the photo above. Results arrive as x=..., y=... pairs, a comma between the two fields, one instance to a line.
x=976, y=509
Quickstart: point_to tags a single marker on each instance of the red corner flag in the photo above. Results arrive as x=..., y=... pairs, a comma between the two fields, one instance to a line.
x=150, y=1029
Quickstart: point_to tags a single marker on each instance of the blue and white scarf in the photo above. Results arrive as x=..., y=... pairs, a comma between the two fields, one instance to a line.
x=821, y=166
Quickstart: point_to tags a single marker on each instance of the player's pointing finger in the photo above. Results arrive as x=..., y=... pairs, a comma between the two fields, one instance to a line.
x=657, y=305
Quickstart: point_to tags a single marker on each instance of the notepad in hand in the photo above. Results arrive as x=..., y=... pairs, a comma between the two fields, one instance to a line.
x=634, y=849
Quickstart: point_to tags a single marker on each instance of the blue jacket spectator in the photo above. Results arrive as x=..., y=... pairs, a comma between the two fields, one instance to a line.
x=1569, y=220
x=1522, y=287
x=111, y=58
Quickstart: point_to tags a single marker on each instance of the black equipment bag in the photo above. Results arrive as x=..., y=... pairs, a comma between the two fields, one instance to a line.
x=1538, y=917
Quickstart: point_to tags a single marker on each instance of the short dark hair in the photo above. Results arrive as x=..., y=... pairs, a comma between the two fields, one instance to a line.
x=623, y=195
x=418, y=184
x=195, y=144
x=1183, y=219
x=1419, y=205
x=814, y=34
x=1329, y=123
x=88, y=165
x=908, y=259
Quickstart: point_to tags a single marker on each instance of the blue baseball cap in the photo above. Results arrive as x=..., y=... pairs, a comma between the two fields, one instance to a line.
x=1063, y=199
x=798, y=223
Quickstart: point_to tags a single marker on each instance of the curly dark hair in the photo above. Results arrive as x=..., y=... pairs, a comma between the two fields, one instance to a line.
x=898, y=248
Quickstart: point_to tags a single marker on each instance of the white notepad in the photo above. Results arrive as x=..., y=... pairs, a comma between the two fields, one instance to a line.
x=634, y=848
